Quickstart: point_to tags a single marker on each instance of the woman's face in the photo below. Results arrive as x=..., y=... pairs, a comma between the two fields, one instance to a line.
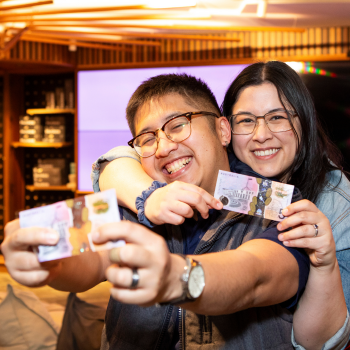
x=267, y=153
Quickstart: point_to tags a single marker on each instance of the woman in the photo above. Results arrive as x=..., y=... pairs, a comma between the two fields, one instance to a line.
x=299, y=154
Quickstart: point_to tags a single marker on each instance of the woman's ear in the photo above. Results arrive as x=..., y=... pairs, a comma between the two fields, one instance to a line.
x=225, y=131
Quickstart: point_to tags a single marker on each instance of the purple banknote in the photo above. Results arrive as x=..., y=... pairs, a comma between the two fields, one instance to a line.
x=75, y=220
x=253, y=196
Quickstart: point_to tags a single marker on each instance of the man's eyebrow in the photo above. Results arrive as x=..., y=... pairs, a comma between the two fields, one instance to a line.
x=168, y=117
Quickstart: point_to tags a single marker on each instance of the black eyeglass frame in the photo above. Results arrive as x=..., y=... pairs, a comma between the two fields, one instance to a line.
x=187, y=115
x=289, y=113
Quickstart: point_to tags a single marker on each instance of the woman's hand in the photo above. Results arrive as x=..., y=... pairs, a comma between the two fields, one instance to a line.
x=175, y=202
x=147, y=253
x=318, y=243
x=21, y=262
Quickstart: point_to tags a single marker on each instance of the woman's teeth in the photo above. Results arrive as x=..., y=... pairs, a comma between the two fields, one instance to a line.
x=177, y=165
x=267, y=152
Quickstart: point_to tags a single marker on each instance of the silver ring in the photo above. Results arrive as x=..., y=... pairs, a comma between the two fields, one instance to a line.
x=316, y=229
x=135, y=279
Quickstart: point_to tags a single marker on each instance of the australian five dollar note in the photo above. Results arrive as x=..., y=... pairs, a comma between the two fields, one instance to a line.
x=253, y=196
x=75, y=220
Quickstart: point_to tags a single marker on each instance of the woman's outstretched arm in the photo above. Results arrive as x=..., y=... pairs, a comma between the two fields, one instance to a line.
x=322, y=310
x=170, y=204
x=127, y=177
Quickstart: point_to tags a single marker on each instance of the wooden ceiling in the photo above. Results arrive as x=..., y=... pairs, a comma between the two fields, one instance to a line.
x=80, y=23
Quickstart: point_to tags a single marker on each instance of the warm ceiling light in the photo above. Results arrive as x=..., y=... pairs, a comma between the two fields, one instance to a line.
x=262, y=6
x=170, y=4
x=147, y=3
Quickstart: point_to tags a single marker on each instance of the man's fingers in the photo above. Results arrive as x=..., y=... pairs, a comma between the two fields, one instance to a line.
x=303, y=205
x=35, y=278
x=142, y=297
x=208, y=198
x=126, y=230
x=32, y=236
x=11, y=227
x=131, y=255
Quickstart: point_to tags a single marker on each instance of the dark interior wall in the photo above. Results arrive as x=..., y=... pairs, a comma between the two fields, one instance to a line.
x=332, y=100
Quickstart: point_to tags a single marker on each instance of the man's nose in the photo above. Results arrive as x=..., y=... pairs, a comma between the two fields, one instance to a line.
x=262, y=132
x=165, y=146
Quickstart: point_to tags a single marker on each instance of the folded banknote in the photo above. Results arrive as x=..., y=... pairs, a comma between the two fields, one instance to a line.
x=253, y=196
x=75, y=220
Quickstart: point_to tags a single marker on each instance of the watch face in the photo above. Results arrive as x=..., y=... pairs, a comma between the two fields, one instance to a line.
x=196, y=281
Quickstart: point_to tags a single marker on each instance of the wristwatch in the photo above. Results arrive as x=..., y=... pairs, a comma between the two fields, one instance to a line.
x=193, y=282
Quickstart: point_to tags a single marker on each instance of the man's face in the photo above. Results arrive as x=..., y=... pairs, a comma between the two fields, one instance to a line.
x=195, y=160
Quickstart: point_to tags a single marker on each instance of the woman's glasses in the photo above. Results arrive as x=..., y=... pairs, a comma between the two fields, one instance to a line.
x=246, y=123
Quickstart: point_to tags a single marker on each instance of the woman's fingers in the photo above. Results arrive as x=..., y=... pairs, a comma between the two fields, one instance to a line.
x=307, y=231
x=303, y=205
x=301, y=218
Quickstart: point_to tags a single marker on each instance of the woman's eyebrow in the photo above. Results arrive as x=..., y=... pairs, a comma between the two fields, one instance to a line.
x=271, y=111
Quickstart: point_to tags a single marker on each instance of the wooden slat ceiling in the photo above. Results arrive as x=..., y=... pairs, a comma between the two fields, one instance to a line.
x=80, y=23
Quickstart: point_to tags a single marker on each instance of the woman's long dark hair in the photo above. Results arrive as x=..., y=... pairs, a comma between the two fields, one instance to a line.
x=316, y=154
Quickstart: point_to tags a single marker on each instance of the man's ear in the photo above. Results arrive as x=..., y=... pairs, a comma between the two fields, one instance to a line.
x=224, y=131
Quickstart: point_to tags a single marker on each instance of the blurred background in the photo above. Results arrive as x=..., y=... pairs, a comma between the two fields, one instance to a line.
x=68, y=69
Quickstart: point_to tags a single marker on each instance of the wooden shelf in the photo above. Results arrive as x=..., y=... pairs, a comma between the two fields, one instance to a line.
x=41, y=144
x=33, y=188
x=50, y=111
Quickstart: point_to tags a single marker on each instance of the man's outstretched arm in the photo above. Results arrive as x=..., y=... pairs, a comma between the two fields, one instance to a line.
x=258, y=273
x=75, y=274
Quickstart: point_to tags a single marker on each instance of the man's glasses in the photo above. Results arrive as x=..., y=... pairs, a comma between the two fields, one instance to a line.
x=246, y=123
x=176, y=129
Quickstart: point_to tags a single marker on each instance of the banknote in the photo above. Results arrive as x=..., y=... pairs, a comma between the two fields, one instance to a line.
x=75, y=220
x=253, y=196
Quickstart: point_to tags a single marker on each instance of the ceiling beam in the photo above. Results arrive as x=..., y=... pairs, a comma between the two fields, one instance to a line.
x=13, y=41
x=29, y=4
x=73, y=42
x=65, y=34
x=198, y=27
x=34, y=17
x=89, y=37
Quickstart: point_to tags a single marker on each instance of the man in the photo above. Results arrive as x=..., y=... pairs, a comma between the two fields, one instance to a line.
x=181, y=137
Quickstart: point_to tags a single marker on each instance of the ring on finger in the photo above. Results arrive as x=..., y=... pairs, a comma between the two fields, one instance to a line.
x=135, y=279
x=316, y=229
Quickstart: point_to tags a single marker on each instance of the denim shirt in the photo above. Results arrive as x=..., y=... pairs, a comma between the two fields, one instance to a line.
x=334, y=202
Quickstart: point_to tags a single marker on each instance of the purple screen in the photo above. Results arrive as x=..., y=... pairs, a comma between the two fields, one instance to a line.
x=102, y=99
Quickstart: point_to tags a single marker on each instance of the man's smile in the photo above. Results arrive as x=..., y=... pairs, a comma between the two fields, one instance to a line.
x=177, y=165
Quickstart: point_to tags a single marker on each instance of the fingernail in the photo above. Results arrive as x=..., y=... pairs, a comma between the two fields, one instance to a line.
x=280, y=237
x=285, y=211
x=219, y=205
x=286, y=242
x=96, y=236
x=114, y=255
x=51, y=237
x=279, y=227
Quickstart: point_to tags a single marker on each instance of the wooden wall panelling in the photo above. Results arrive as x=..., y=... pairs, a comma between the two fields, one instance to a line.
x=14, y=158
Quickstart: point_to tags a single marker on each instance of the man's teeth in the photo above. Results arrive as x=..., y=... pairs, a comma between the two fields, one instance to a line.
x=267, y=152
x=177, y=165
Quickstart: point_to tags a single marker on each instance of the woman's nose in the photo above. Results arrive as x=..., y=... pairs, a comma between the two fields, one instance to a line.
x=262, y=132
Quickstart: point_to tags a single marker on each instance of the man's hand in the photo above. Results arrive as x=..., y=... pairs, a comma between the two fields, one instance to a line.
x=20, y=260
x=301, y=218
x=159, y=271
x=175, y=202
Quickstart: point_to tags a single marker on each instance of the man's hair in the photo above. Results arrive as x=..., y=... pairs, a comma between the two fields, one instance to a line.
x=316, y=154
x=194, y=91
